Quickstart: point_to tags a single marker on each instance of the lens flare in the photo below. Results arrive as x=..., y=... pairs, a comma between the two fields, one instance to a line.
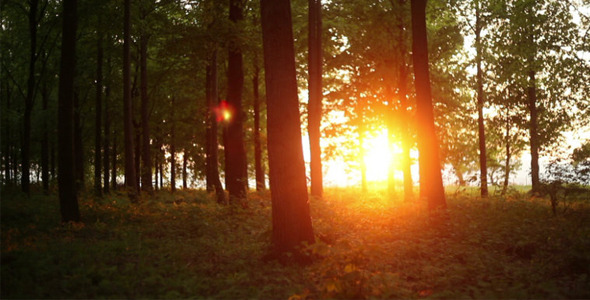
x=223, y=112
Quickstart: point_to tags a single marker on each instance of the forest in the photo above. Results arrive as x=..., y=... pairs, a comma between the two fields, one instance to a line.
x=295, y=149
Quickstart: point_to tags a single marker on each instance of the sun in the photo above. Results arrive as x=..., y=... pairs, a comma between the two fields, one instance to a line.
x=380, y=156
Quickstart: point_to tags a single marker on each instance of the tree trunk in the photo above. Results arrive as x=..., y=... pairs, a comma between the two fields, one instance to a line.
x=290, y=207
x=315, y=95
x=7, y=139
x=114, y=163
x=107, y=133
x=45, y=141
x=431, y=180
x=98, y=117
x=260, y=180
x=236, y=163
x=146, y=170
x=534, y=142
x=66, y=180
x=172, y=151
x=29, y=100
x=508, y=156
x=137, y=154
x=405, y=124
x=78, y=146
x=480, y=103
x=212, y=162
x=130, y=172
x=184, y=165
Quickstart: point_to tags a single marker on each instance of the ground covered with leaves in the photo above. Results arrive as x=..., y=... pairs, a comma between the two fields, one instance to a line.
x=184, y=245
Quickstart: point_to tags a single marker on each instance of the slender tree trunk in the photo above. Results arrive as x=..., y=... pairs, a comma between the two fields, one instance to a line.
x=52, y=163
x=7, y=139
x=137, y=154
x=107, y=133
x=146, y=171
x=236, y=163
x=431, y=180
x=212, y=162
x=66, y=180
x=260, y=181
x=161, y=169
x=45, y=141
x=98, y=117
x=290, y=207
x=173, y=151
x=130, y=171
x=114, y=163
x=480, y=103
x=508, y=156
x=184, y=165
x=534, y=142
x=315, y=95
x=26, y=141
x=78, y=145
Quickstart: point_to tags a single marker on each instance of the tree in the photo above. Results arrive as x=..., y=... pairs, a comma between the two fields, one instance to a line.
x=66, y=179
x=98, y=111
x=315, y=94
x=290, y=208
x=212, y=163
x=130, y=174
x=431, y=186
x=236, y=176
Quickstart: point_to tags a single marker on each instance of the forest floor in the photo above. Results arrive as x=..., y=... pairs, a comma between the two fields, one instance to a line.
x=184, y=245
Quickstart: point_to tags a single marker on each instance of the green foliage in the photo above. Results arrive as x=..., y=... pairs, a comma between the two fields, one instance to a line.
x=185, y=245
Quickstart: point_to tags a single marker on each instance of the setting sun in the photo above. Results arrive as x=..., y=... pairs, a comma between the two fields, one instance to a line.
x=379, y=155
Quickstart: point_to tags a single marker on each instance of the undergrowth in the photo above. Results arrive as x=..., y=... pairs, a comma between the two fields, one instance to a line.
x=185, y=245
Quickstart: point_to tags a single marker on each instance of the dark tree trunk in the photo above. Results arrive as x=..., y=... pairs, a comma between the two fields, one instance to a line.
x=78, y=146
x=173, y=151
x=290, y=207
x=52, y=164
x=534, y=142
x=480, y=103
x=7, y=139
x=184, y=165
x=107, y=136
x=114, y=163
x=260, y=181
x=235, y=160
x=137, y=154
x=130, y=171
x=146, y=170
x=315, y=95
x=66, y=179
x=430, y=176
x=45, y=141
x=98, y=117
x=26, y=141
x=212, y=162
x=508, y=156
x=406, y=121
x=161, y=169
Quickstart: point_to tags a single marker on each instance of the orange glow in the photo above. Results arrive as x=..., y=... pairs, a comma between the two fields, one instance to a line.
x=380, y=156
x=223, y=112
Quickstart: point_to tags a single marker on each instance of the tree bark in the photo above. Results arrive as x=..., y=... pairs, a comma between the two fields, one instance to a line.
x=98, y=116
x=78, y=145
x=405, y=113
x=480, y=103
x=29, y=100
x=534, y=139
x=45, y=141
x=212, y=162
x=66, y=179
x=315, y=95
x=114, y=163
x=173, y=151
x=235, y=160
x=7, y=139
x=146, y=167
x=431, y=180
x=184, y=173
x=130, y=172
x=107, y=135
x=259, y=168
x=290, y=207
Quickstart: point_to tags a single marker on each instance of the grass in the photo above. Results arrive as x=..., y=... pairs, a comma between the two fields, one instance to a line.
x=184, y=245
